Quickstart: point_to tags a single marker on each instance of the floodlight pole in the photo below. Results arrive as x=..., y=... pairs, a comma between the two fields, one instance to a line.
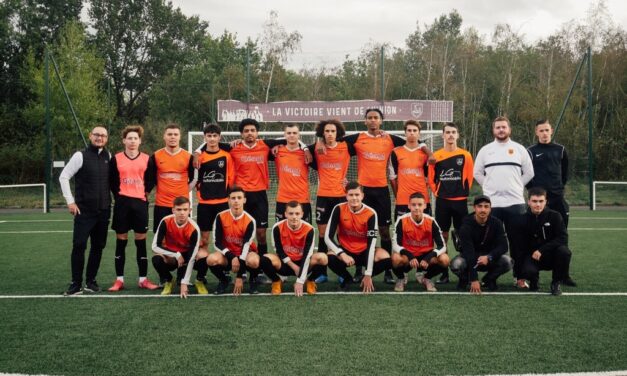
x=67, y=98
x=590, y=154
x=382, y=76
x=48, y=131
x=570, y=93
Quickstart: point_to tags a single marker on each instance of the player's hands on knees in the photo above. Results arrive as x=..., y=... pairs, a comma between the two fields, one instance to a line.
x=348, y=260
x=424, y=264
x=414, y=263
x=235, y=265
x=184, y=290
x=475, y=287
x=366, y=284
x=298, y=289
x=74, y=210
x=239, y=286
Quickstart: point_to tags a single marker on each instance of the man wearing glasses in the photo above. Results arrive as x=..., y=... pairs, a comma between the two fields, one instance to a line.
x=91, y=208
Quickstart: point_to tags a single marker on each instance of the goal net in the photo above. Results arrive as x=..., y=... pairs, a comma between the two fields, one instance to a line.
x=433, y=138
x=609, y=193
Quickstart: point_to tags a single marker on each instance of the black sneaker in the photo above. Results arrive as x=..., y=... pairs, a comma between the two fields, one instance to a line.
x=490, y=284
x=73, y=289
x=462, y=285
x=221, y=289
x=569, y=282
x=533, y=285
x=555, y=288
x=443, y=279
x=388, y=278
x=345, y=284
x=92, y=286
x=252, y=287
x=359, y=275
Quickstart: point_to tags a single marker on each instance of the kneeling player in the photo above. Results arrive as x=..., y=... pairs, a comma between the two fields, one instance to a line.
x=293, y=241
x=418, y=244
x=176, y=246
x=233, y=235
x=357, y=231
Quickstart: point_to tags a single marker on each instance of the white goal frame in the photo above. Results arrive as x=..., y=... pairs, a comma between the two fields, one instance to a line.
x=43, y=185
x=594, y=190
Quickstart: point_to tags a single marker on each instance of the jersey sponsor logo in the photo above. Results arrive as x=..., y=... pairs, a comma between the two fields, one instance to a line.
x=294, y=171
x=354, y=233
x=411, y=171
x=374, y=156
x=417, y=243
x=171, y=176
x=234, y=240
x=131, y=181
x=450, y=175
x=259, y=159
x=212, y=177
x=293, y=250
x=331, y=166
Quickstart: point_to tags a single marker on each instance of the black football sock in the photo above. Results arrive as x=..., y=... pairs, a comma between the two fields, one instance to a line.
x=201, y=267
x=162, y=268
x=120, y=256
x=142, y=260
x=268, y=269
x=218, y=271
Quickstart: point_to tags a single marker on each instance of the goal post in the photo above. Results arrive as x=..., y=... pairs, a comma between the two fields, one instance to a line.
x=597, y=183
x=14, y=198
x=433, y=138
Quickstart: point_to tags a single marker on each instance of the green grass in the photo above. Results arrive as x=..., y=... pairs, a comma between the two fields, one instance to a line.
x=324, y=334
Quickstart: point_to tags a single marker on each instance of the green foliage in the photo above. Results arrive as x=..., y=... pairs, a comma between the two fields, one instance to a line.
x=81, y=71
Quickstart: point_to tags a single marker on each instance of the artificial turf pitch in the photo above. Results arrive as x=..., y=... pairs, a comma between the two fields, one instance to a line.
x=324, y=334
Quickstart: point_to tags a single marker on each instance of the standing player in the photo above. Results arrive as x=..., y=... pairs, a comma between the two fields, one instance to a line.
x=130, y=212
x=171, y=169
x=503, y=168
x=484, y=248
x=292, y=174
x=408, y=164
x=91, y=208
x=418, y=244
x=233, y=235
x=332, y=165
x=215, y=176
x=450, y=179
x=550, y=165
x=373, y=149
x=357, y=229
x=176, y=246
x=293, y=240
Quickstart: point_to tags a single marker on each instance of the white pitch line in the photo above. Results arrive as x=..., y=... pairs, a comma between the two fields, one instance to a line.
x=594, y=373
x=330, y=293
x=597, y=229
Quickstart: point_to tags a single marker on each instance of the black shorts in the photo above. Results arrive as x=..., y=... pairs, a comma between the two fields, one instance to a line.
x=361, y=259
x=404, y=209
x=324, y=207
x=206, y=214
x=279, y=214
x=130, y=213
x=445, y=210
x=378, y=198
x=159, y=213
x=257, y=206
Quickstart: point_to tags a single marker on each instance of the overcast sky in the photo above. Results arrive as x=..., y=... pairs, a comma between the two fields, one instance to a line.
x=332, y=29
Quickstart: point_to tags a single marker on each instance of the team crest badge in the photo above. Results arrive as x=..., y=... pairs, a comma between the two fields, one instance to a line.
x=221, y=164
x=460, y=161
x=510, y=151
x=416, y=109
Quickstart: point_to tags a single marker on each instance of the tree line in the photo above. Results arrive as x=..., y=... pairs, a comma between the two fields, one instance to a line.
x=146, y=62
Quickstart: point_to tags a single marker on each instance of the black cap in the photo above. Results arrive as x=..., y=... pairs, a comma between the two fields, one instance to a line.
x=481, y=198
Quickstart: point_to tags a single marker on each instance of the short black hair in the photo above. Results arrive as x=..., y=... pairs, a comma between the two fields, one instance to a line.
x=180, y=200
x=212, y=128
x=416, y=195
x=354, y=185
x=542, y=121
x=293, y=204
x=449, y=124
x=373, y=109
x=536, y=191
x=236, y=188
x=248, y=121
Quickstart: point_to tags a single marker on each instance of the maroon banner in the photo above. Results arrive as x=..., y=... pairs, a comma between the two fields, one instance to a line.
x=398, y=110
